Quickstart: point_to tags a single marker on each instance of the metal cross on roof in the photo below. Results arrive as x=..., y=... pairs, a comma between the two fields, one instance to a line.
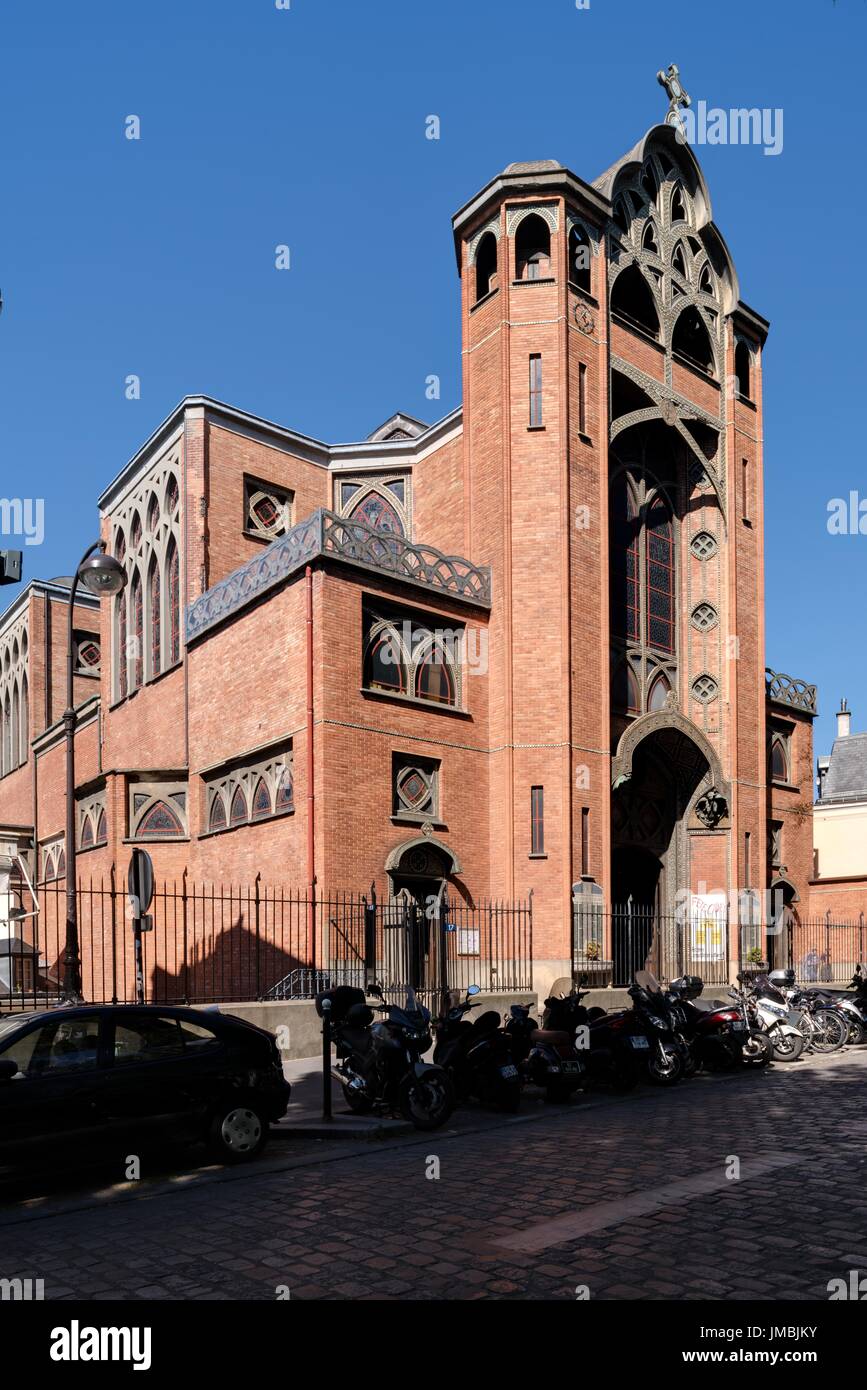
x=677, y=96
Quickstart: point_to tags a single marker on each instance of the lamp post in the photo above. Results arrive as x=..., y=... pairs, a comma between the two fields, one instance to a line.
x=101, y=574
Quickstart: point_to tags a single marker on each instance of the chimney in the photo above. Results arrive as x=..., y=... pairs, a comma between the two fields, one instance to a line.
x=844, y=719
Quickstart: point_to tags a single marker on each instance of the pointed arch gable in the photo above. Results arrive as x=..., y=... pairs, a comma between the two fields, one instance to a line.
x=395, y=855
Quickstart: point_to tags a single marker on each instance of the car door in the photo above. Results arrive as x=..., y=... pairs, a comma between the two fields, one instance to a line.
x=54, y=1097
x=148, y=1092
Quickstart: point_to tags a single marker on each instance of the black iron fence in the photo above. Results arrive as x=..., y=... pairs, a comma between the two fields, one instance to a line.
x=609, y=945
x=218, y=943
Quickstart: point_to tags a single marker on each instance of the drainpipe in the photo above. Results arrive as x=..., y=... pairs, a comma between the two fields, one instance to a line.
x=311, y=768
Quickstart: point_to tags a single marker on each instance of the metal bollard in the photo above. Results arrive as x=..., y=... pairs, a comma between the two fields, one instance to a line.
x=326, y=1059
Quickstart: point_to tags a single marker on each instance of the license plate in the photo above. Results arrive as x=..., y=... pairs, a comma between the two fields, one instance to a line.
x=639, y=1042
x=571, y=1066
x=739, y=1027
x=508, y=1071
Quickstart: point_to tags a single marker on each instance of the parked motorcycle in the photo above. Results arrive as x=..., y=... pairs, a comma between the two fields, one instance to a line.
x=609, y=1051
x=668, y=1054
x=770, y=1011
x=719, y=1038
x=477, y=1055
x=379, y=1063
x=546, y=1056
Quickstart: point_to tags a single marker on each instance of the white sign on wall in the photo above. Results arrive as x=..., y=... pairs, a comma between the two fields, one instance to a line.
x=707, y=926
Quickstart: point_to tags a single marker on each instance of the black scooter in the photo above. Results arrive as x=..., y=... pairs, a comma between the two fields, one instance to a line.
x=610, y=1054
x=379, y=1064
x=546, y=1056
x=477, y=1055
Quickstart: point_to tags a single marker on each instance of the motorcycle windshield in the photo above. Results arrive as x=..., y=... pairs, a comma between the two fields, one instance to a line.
x=646, y=980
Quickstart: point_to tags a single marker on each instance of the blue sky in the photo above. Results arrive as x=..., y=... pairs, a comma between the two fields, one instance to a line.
x=306, y=127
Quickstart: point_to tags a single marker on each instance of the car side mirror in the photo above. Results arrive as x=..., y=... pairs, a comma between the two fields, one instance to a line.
x=8, y=1068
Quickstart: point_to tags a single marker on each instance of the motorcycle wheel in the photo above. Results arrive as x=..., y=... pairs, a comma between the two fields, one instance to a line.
x=667, y=1072
x=757, y=1051
x=428, y=1100
x=833, y=1031
x=857, y=1033
x=787, y=1047
x=359, y=1102
x=691, y=1065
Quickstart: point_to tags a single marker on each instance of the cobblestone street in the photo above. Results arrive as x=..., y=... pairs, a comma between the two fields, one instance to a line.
x=628, y=1196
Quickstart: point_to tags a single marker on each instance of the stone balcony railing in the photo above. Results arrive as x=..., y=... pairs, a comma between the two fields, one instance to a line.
x=788, y=690
x=324, y=533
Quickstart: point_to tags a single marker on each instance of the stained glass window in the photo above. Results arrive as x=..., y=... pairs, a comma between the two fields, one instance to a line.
x=377, y=513
x=624, y=693
x=122, y=666
x=156, y=617
x=625, y=599
x=659, y=692
x=285, y=791
x=160, y=821
x=153, y=514
x=238, y=813
x=135, y=532
x=261, y=800
x=101, y=829
x=86, y=833
x=172, y=494
x=217, y=819
x=779, y=761
x=61, y=865
x=174, y=603
x=268, y=511
x=660, y=577
x=88, y=654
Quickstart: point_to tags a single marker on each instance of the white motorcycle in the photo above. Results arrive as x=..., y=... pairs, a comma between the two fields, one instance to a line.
x=772, y=1014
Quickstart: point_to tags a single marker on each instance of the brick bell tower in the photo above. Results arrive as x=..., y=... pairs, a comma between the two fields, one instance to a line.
x=613, y=480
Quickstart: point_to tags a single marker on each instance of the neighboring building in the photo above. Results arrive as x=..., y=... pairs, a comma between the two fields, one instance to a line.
x=840, y=824
x=304, y=678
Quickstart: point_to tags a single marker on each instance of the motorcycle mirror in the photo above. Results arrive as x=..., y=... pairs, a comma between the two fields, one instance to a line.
x=473, y=990
x=375, y=990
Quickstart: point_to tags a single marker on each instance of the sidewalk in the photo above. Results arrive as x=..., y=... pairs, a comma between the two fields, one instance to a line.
x=304, y=1115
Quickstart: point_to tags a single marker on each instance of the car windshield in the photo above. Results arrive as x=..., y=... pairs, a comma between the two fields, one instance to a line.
x=14, y=1021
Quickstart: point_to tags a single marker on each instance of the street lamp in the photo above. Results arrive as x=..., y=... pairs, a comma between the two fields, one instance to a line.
x=101, y=574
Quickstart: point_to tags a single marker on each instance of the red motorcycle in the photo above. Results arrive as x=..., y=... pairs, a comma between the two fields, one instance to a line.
x=721, y=1037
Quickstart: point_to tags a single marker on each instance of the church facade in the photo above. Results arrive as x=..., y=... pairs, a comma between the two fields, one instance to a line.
x=518, y=649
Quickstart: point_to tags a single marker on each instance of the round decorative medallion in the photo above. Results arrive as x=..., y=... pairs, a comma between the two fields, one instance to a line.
x=418, y=861
x=584, y=319
x=705, y=689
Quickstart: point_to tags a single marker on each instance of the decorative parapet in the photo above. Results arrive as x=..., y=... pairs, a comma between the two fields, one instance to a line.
x=788, y=690
x=324, y=533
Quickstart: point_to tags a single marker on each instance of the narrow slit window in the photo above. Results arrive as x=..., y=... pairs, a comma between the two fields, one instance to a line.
x=582, y=398
x=537, y=820
x=535, y=390
x=745, y=489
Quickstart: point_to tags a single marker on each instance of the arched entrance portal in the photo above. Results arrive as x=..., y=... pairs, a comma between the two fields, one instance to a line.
x=663, y=767
x=414, y=945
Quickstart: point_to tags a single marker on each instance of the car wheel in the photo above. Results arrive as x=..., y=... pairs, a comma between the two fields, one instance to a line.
x=238, y=1131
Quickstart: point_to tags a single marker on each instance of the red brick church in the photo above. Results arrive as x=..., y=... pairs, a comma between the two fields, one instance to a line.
x=518, y=649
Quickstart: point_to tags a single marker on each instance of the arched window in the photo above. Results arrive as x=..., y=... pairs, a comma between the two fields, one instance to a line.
x=6, y=739
x=678, y=260
x=160, y=821
x=486, y=265
x=135, y=532
x=377, y=513
x=624, y=691
x=217, y=819
x=15, y=732
x=648, y=183
x=172, y=495
x=137, y=632
x=659, y=692
x=691, y=340
x=285, y=791
x=86, y=841
x=155, y=609
x=625, y=580
x=238, y=812
x=261, y=800
x=384, y=661
x=705, y=280
x=779, y=761
x=434, y=677
x=122, y=653
x=173, y=585
x=61, y=865
x=101, y=829
x=742, y=368
x=153, y=514
x=632, y=299
x=580, y=254
x=25, y=720
x=649, y=239
x=678, y=204
x=532, y=248
x=622, y=214
x=660, y=577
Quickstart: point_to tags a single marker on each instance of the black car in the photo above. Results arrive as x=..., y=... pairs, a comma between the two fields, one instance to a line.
x=99, y=1077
